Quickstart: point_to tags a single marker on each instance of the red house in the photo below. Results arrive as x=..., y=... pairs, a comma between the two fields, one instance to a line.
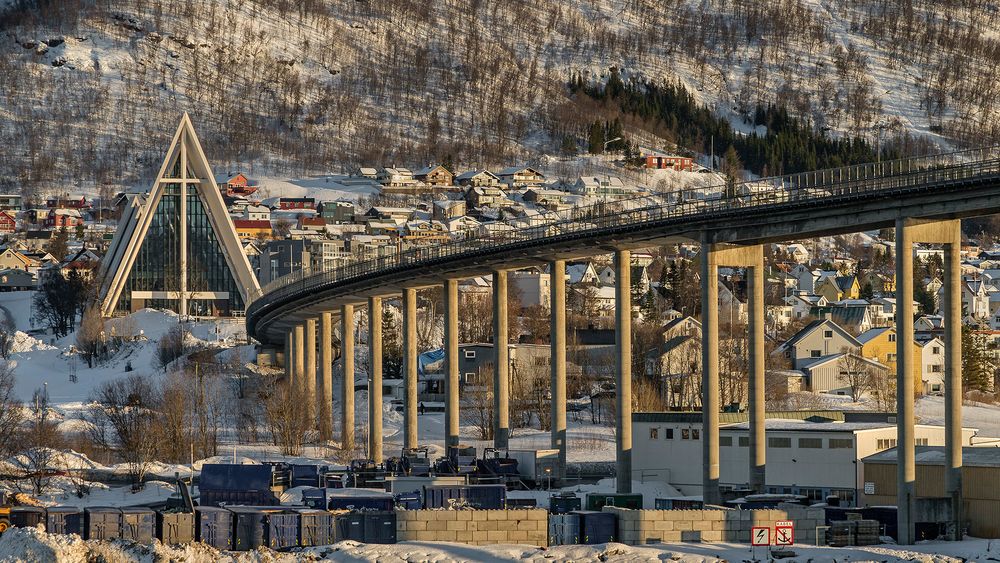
x=7, y=223
x=678, y=163
x=236, y=184
x=296, y=203
x=58, y=218
x=66, y=201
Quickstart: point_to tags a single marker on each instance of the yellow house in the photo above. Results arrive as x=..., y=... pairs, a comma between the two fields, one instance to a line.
x=837, y=288
x=881, y=283
x=879, y=344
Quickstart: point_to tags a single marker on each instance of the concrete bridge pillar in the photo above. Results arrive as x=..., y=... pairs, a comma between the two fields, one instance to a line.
x=501, y=375
x=286, y=356
x=298, y=361
x=557, y=352
x=623, y=385
x=751, y=257
x=325, y=399
x=310, y=373
x=948, y=233
x=375, y=378
x=410, y=368
x=347, y=385
x=451, y=407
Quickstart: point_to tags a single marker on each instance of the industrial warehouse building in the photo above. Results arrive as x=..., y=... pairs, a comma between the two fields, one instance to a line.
x=980, y=476
x=811, y=453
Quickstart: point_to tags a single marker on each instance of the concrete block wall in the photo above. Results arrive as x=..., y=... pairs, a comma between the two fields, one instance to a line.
x=474, y=527
x=637, y=527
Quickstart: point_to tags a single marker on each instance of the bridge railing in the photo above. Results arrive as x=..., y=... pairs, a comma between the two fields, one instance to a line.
x=831, y=183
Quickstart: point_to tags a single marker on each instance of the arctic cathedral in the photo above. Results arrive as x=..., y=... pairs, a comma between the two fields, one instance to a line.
x=175, y=247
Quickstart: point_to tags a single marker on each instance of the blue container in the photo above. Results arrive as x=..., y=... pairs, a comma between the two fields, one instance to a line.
x=316, y=527
x=27, y=516
x=231, y=477
x=487, y=497
x=358, y=499
x=174, y=528
x=597, y=527
x=249, y=525
x=409, y=501
x=282, y=529
x=138, y=524
x=304, y=476
x=564, y=504
x=64, y=520
x=102, y=523
x=380, y=527
x=351, y=526
x=213, y=526
x=314, y=498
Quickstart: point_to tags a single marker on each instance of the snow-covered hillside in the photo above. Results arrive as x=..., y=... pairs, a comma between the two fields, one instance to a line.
x=92, y=90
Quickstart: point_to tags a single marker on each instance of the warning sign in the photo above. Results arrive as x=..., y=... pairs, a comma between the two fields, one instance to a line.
x=760, y=536
x=784, y=533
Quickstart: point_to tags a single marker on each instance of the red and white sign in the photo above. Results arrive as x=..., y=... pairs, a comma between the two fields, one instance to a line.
x=760, y=536
x=784, y=532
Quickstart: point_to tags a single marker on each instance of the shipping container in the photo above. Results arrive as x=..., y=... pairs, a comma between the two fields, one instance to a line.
x=249, y=524
x=304, y=476
x=522, y=502
x=102, y=523
x=564, y=504
x=597, y=527
x=214, y=526
x=282, y=529
x=314, y=498
x=409, y=501
x=380, y=527
x=564, y=529
x=316, y=527
x=487, y=497
x=350, y=526
x=175, y=527
x=597, y=501
x=679, y=503
x=224, y=483
x=27, y=516
x=138, y=524
x=64, y=520
x=359, y=499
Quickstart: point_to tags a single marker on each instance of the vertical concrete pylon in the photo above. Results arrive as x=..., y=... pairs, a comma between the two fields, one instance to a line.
x=757, y=377
x=451, y=364
x=299, y=361
x=752, y=257
x=557, y=352
x=325, y=399
x=623, y=355
x=948, y=233
x=375, y=378
x=409, y=368
x=347, y=384
x=287, y=356
x=310, y=373
x=501, y=375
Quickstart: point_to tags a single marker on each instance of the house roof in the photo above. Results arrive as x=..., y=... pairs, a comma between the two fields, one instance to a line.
x=872, y=333
x=935, y=455
x=816, y=325
x=251, y=224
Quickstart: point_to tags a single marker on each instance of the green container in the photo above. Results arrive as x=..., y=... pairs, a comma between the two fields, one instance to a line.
x=597, y=501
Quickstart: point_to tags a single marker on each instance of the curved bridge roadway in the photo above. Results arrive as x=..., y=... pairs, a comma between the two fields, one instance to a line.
x=923, y=198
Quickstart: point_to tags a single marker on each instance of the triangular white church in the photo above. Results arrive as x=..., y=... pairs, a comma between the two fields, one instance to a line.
x=175, y=247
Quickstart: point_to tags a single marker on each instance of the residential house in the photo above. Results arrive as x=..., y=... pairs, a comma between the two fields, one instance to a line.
x=425, y=232
x=477, y=178
x=521, y=177
x=37, y=240
x=389, y=214
x=608, y=186
x=932, y=366
x=549, y=199
x=236, y=184
x=10, y=202
x=803, y=303
x=253, y=228
x=818, y=339
x=16, y=280
x=63, y=217
x=975, y=298
x=257, y=213
x=316, y=224
x=532, y=285
x=8, y=224
x=11, y=259
x=295, y=203
x=733, y=300
x=581, y=272
x=828, y=374
x=879, y=344
x=67, y=201
x=670, y=162
x=365, y=172
x=853, y=319
x=797, y=252
x=435, y=175
x=880, y=284
x=805, y=277
x=447, y=209
x=396, y=177
x=486, y=196
x=337, y=212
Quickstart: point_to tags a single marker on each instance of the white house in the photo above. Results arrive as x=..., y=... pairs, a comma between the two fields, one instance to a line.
x=932, y=365
x=533, y=287
x=257, y=213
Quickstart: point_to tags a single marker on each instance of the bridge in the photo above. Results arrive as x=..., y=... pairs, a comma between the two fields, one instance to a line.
x=922, y=198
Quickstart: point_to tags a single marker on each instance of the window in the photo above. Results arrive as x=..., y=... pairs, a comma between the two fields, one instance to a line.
x=936, y=368
x=654, y=433
x=890, y=357
x=827, y=334
x=892, y=337
x=779, y=442
x=936, y=387
x=695, y=434
x=725, y=441
x=841, y=443
x=921, y=442
x=744, y=441
x=469, y=354
x=669, y=434
x=811, y=443
x=937, y=349
x=685, y=434
x=886, y=443
x=814, y=353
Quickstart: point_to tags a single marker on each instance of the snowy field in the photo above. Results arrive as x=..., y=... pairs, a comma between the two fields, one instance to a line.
x=20, y=545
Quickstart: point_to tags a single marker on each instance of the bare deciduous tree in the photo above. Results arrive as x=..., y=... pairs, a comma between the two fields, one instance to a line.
x=124, y=416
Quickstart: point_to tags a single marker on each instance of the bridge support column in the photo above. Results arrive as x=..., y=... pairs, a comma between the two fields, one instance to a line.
x=751, y=257
x=375, y=378
x=299, y=360
x=501, y=375
x=623, y=385
x=287, y=355
x=325, y=400
x=310, y=373
x=451, y=407
x=557, y=352
x=409, y=368
x=948, y=233
x=347, y=385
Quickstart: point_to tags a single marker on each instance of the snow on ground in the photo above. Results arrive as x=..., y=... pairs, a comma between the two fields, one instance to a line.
x=15, y=306
x=322, y=188
x=984, y=417
x=31, y=544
